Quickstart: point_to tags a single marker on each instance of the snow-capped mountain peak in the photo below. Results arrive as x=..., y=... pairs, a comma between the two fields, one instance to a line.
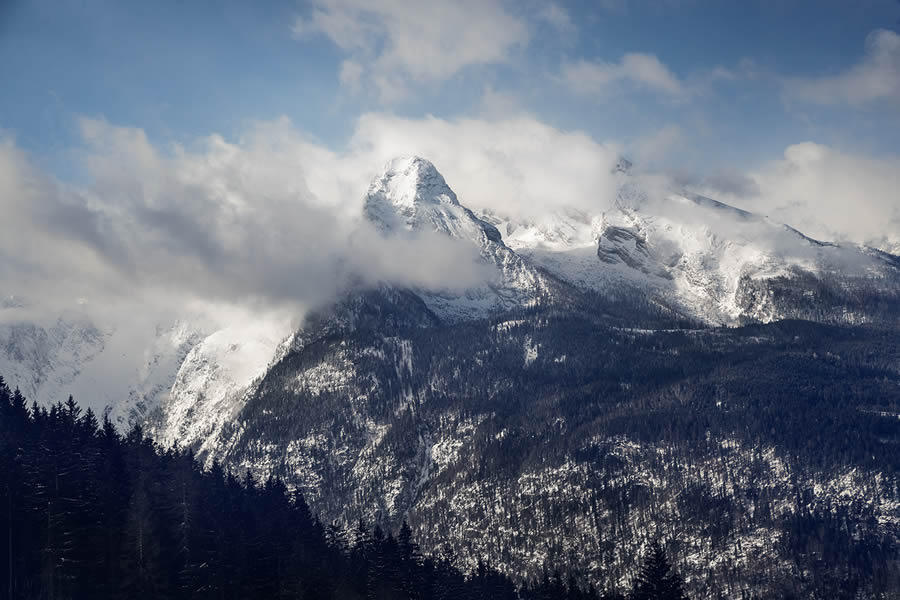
x=413, y=179
x=410, y=193
x=411, y=196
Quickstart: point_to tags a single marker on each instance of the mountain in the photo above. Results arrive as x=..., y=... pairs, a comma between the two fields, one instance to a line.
x=668, y=368
x=707, y=260
x=158, y=374
x=211, y=381
x=123, y=369
x=734, y=445
x=411, y=196
x=587, y=402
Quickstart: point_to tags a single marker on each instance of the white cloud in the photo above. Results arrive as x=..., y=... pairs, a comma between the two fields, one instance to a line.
x=658, y=145
x=401, y=44
x=557, y=16
x=351, y=75
x=638, y=69
x=876, y=77
x=826, y=193
x=497, y=104
x=235, y=222
x=517, y=165
x=271, y=219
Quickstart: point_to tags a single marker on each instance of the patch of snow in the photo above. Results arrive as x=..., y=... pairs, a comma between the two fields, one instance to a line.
x=530, y=351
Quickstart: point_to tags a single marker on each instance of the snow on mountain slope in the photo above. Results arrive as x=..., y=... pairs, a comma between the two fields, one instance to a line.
x=126, y=370
x=212, y=380
x=43, y=359
x=693, y=253
x=411, y=196
x=147, y=386
x=698, y=256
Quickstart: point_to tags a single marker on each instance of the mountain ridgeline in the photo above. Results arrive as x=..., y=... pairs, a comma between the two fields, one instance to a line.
x=668, y=370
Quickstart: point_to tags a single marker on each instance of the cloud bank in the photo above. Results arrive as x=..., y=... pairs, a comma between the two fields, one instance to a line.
x=273, y=219
x=391, y=43
x=875, y=78
x=826, y=193
x=229, y=222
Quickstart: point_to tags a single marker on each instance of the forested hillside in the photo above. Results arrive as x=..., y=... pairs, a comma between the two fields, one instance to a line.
x=88, y=513
x=543, y=438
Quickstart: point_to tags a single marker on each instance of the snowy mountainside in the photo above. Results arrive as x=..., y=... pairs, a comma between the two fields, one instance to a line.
x=703, y=258
x=521, y=409
x=105, y=366
x=159, y=361
x=137, y=372
x=412, y=196
x=210, y=383
x=538, y=422
x=698, y=257
x=44, y=359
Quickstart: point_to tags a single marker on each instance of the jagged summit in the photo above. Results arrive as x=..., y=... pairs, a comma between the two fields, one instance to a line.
x=415, y=179
x=623, y=165
x=410, y=194
x=406, y=190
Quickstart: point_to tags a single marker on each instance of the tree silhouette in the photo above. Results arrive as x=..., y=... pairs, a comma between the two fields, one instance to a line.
x=657, y=580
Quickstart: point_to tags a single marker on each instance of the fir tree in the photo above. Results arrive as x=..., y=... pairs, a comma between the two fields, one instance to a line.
x=657, y=580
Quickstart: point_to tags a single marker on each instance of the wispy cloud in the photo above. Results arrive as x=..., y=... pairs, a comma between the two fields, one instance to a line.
x=874, y=78
x=824, y=192
x=397, y=44
x=658, y=145
x=637, y=69
x=557, y=16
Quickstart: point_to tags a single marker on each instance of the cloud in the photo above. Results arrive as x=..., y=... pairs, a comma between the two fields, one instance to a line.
x=228, y=222
x=557, y=16
x=399, y=46
x=826, y=193
x=47, y=229
x=351, y=76
x=658, y=145
x=271, y=219
x=641, y=70
x=516, y=166
x=875, y=78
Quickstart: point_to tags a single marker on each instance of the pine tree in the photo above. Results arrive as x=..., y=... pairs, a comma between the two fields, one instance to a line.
x=657, y=580
x=411, y=560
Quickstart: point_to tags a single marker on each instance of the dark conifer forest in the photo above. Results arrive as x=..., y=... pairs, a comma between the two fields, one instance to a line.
x=89, y=513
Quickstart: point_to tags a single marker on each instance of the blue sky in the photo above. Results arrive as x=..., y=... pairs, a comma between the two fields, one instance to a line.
x=710, y=85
